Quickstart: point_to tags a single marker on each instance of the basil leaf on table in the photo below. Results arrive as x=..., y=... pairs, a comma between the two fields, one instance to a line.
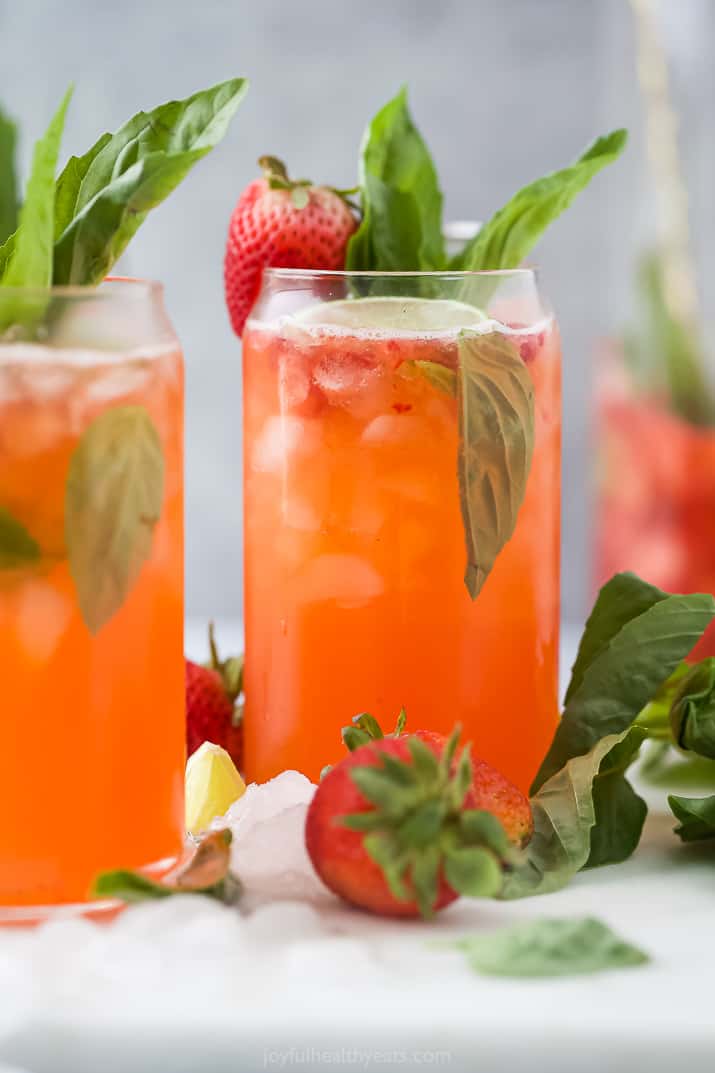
x=548, y=948
x=634, y=639
x=565, y=816
x=696, y=816
x=8, y=177
x=113, y=499
x=495, y=400
x=204, y=870
x=506, y=239
x=401, y=228
x=619, y=811
x=692, y=714
x=105, y=196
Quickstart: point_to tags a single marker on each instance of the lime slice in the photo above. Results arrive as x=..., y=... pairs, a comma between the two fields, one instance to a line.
x=212, y=786
x=389, y=316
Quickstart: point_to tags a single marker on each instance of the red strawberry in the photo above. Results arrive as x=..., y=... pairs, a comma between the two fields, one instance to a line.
x=393, y=829
x=212, y=713
x=491, y=790
x=278, y=223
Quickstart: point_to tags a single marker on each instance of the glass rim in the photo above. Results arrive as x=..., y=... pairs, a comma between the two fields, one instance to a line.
x=528, y=271
x=134, y=286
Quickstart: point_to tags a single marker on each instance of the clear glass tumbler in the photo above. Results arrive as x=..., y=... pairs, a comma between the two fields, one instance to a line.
x=387, y=457
x=91, y=591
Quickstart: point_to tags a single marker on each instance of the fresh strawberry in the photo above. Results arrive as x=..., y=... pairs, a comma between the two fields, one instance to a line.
x=491, y=790
x=393, y=828
x=212, y=711
x=278, y=223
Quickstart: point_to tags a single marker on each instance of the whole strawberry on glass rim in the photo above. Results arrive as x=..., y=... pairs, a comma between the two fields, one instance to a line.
x=282, y=223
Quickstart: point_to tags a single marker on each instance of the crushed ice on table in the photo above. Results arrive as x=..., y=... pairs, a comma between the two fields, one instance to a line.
x=268, y=851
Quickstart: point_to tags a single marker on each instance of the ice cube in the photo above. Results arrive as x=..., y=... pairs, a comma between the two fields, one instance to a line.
x=397, y=430
x=352, y=382
x=115, y=381
x=347, y=580
x=268, y=851
x=281, y=437
x=43, y=614
x=294, y=384
x=300, y=514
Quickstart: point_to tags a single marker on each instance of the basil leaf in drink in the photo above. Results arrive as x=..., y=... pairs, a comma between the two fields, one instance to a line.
x=401, y=228
x=617, y=677
x=17, y=547
x=30, y=264
x=8, y=177
x=439, y=376
x=506, y=239
x=107, y=194
x=113, y=499
x=696, y=816
x=549, y=947
x=495, y=399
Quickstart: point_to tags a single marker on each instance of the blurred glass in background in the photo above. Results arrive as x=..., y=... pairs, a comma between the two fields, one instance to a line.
x=654, y=398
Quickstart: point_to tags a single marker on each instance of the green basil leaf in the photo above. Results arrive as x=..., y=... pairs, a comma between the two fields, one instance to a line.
x=17, y=547
x=696, y=816
x=30, y=264
x=564, y=812
x=205, y=870
x=401, y=228
x=667, y=350
x=624, y=673
x=132, y=172
x=692, y=715
x=439, y=376
x=549, y=947
x=114, y=494
x=506, y=239
x=8, y=177
x=495, y=398
x=620, y=812
x=69, y=183
x=620, y=600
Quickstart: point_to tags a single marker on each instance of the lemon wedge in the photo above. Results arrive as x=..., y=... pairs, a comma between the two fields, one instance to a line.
x=212, y=785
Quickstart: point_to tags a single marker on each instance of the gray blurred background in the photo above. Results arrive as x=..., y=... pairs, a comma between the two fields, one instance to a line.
x=503, y=91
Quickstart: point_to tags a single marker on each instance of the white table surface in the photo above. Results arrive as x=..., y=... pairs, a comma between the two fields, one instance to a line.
x=187, y=987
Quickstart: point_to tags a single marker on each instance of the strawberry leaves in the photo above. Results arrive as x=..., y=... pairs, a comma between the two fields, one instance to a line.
x=419, y=829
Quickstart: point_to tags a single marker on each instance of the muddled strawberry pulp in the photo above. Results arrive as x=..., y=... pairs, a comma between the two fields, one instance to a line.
x=355, y=551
